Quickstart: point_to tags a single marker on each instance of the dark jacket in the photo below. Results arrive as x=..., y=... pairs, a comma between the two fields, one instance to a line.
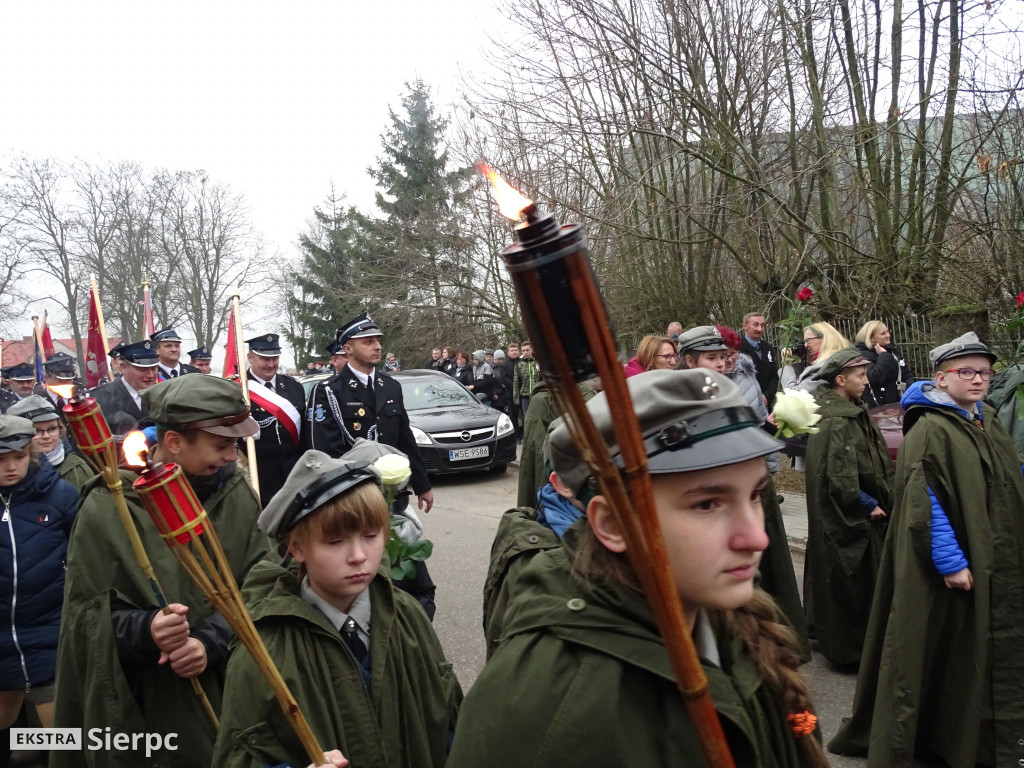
x=406, y=718
x=582, y=678
x=502, y=386
x=341, y=409
x=886, y=373
x=37, y=516
x=276, y=450
x=767, y=364
x=119, y=408
x=846, y=458
x=101, y=682
x=162, y=372
x=941, y=671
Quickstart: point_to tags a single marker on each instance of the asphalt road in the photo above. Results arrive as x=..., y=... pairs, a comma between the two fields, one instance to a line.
x=466, y=513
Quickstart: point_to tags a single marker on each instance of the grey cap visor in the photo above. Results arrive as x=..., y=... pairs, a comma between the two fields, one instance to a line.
x=713, y=440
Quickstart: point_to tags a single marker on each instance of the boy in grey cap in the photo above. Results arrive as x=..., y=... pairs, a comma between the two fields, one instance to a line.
x=359, y=655
x=579, y=630
x=941, y=673
x=850, y=493
x=123, y=663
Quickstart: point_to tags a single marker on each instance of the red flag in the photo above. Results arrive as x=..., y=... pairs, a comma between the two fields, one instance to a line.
x=231, y=358
x=96, y=345
x=46, y=339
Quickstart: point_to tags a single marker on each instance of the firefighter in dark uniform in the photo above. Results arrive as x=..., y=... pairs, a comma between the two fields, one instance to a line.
x=7, y=396
x=121, y=400
x=22, y=378
x=200, y=359
x=168, y=348
x=360, y=401
x=276, y=449
x=58, y=371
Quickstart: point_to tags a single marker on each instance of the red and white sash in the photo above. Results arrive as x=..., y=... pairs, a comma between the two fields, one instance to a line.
x=278, y=407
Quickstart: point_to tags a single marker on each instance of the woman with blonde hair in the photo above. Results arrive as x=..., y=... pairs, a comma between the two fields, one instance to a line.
x=655, y=353
x=888, y=374
x=822, y=341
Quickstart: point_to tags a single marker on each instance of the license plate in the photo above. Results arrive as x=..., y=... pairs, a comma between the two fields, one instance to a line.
x=461, y=454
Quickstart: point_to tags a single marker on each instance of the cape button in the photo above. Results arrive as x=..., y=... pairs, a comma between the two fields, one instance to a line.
x=576, y=604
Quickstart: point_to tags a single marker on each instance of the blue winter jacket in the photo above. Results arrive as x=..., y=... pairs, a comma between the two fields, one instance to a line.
x=37, y=514
x=947, y=554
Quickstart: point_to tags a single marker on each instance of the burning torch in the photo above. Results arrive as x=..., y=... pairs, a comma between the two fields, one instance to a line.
x=187, y=530
x=571, y=333
x=92, y=433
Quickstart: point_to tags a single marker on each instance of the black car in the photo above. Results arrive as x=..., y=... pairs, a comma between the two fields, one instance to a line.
x=453, y=430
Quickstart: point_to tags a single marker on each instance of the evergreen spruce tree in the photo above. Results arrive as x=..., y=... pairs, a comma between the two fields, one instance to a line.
x=327, y=280
x=418, y=246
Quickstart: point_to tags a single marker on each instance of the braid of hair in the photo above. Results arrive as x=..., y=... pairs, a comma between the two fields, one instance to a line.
x=777, y=654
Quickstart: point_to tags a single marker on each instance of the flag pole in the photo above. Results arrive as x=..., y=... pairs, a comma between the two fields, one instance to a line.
x=37, y=342
x=103, y=325
x=250, y=443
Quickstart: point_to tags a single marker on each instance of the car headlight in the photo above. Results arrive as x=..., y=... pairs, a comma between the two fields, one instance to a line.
x=420, y=436
x=504, y=425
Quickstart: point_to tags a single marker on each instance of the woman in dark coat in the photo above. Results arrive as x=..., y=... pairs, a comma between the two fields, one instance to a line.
x=888, y=374
x=38, y=510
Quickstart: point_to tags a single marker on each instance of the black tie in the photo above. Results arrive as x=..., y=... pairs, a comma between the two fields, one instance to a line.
x=351, y=638
x=172, y=373
x=268, y=385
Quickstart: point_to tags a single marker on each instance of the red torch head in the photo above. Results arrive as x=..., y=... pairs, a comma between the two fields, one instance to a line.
x=167, y=496
x=90, y=428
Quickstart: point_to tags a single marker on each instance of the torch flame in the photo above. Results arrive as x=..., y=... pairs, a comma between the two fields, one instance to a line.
x=67, y=391
x=134, y=446
x=510, y=202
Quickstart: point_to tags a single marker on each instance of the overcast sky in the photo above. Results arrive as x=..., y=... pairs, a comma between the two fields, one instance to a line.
x=275, y=99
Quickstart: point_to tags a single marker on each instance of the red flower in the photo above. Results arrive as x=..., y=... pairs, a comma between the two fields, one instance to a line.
x=1020, y=300
x=806, y=292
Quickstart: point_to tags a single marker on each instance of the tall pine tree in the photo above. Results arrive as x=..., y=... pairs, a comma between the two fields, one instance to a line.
x=418, y=241
x=327, y=281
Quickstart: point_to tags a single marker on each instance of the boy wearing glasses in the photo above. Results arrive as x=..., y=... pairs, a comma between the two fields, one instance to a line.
x=942, y=674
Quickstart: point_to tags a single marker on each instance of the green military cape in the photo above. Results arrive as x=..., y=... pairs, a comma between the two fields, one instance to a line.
x=939, y=663
x=93, y=690
x=775, y=571
x=404, y=720
x=76, y=471
x=582, y=678
x=518, y=539
x=543, y=411
x=844, y=547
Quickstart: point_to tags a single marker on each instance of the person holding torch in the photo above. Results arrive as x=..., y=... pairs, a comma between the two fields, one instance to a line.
x=123, y=663
x=582, y=675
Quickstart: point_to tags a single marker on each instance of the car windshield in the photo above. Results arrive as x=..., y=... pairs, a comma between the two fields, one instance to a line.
x=424, y=392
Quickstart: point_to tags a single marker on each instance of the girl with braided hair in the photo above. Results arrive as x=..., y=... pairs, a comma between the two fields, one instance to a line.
x=581, y=675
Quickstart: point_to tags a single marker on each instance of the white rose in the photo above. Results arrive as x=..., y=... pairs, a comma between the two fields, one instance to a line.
x=394, y=469
x=796, y=413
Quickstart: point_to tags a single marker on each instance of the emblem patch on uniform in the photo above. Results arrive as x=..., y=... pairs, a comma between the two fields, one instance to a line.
x=360, y=412
x=318, y=413
x=357, y=426
x=380, y=382
x=352, y=384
